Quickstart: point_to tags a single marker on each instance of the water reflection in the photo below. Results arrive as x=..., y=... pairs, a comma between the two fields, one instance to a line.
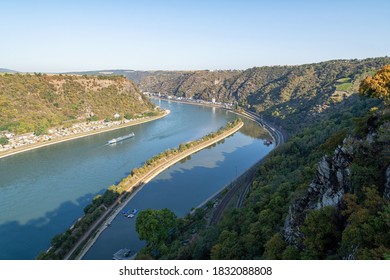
x=42, y=192
x=253, y=130
x=181, y=187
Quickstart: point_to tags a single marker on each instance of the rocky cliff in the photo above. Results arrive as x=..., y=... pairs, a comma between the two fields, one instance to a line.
x=369, y=158
x=327, y=189
x=386, y=192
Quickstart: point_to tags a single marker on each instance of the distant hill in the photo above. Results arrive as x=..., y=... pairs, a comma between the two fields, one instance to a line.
x=135, y=76
x=293, y=95
x=28, y=101
x=287, y=95
x=5, y=70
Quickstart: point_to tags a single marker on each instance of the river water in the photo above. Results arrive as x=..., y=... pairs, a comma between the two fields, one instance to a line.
x=44, y=191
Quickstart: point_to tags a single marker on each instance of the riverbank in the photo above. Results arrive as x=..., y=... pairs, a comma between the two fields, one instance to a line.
x=101, y=225
x=97, y=214
x=277, y=133
x=198, y=102
x=78, y=135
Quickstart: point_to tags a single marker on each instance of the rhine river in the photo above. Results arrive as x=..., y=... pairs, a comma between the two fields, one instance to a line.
x=44, y=191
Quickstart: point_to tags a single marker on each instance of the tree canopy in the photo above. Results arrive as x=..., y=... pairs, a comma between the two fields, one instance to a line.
x=154, y=226
x=377, y=86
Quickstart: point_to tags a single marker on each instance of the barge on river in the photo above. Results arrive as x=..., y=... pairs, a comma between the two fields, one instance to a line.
x=120, y=139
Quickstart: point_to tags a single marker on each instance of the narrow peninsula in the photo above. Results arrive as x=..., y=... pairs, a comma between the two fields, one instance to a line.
x=76, y=241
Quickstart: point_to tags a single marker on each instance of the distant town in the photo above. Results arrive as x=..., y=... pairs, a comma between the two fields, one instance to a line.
x=17, y=141
x=213, y=101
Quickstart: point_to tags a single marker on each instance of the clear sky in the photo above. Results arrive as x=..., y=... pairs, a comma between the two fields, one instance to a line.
x=59, y=36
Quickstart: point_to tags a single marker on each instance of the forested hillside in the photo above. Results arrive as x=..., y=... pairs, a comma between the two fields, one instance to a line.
x=288, y=95
x=324, y=194
x=135, y=76
x=291, y=96
x=31, y=101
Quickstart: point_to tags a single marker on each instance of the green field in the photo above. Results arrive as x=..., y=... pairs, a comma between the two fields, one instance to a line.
x=344, y=87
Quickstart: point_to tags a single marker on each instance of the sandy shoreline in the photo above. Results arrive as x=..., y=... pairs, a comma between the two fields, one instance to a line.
x=145, y=179
x=77, y=136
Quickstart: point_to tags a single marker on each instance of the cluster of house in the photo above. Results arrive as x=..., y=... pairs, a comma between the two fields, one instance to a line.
x=16, y=141
x=213, y=101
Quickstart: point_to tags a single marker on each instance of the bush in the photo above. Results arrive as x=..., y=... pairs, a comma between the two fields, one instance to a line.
x=3, y=141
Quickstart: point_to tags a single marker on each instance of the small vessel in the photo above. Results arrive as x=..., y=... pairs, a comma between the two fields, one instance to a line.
x=119, y=139
x=122, y=254
x=267, y=142
x=133, y=213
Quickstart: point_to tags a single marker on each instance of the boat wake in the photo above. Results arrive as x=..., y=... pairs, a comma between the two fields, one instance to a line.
x=120, y=139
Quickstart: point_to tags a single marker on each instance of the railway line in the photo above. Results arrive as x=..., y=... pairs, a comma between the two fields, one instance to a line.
x=242, y=184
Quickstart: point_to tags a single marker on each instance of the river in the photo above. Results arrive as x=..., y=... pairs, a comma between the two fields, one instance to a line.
x=43, y=191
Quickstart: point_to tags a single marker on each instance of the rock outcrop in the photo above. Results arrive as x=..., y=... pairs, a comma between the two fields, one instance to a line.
x=386, y=191
x=327, y=189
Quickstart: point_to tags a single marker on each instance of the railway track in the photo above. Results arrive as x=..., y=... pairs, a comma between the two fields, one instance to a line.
x=279, y=139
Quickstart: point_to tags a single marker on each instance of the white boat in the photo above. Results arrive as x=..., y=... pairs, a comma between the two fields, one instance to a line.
x=122, y=254
x=133, y=213
x=119, y=139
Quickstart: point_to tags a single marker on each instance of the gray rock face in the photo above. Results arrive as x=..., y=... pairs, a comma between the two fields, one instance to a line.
x=371, y=137
x=332, y=181
x=386, y=192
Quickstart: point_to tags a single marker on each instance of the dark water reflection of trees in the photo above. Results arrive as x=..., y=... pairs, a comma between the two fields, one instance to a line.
x=254, y=130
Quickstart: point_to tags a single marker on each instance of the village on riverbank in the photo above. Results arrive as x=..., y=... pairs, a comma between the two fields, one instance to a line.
x=19, y=143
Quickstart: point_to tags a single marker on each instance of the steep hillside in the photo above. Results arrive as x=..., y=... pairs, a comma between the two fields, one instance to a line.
x=293, y=95
x=196, y=84
x=288, y=95
x=324, y=194
x=31, y=101
x=345, y=211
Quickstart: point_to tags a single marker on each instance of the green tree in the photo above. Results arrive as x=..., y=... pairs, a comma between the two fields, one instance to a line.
x=155, y=226
x=275, y=247
x=321, y=233
x=182, y=147
x=228, y=246
x=367, y=235
x=377, y=86
x=41, y=128
x=3, y=140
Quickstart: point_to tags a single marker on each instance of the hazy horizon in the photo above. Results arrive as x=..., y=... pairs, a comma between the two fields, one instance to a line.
x=53, y=37
x=183, y=70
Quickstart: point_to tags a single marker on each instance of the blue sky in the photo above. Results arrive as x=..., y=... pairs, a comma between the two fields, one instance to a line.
x=58, y=36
